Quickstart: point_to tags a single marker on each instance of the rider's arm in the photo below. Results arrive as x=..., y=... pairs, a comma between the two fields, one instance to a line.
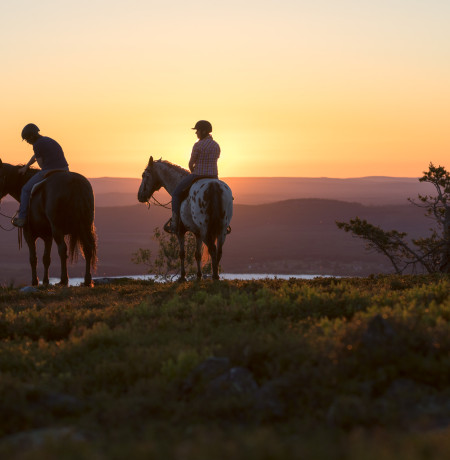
x=193, y=159
x=24, y=168
x=32, y=160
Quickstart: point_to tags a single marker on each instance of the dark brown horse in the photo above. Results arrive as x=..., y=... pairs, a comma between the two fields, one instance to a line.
x=63, y=205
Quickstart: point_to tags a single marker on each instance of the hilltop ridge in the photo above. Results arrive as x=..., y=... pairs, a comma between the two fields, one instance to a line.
x=371, y=190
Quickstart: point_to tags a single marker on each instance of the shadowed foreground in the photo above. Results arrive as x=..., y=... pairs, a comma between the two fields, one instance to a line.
x=324, y=369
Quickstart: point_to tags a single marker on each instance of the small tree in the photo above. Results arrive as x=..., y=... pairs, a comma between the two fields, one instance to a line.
x=438, y=208
x=166, y=265
x=433, y=252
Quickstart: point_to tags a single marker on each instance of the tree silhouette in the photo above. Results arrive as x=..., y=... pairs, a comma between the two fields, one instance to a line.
x=431, y=253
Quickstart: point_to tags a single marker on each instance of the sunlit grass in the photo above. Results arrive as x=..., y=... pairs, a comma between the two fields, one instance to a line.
x=101, y=373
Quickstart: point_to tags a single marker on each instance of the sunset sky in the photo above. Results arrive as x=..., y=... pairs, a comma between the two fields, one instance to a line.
x=317, y=88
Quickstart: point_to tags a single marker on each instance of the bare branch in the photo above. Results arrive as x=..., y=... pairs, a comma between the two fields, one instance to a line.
x=432, y=253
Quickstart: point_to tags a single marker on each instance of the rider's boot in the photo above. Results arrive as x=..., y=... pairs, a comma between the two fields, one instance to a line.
x=172, y=225
x=18, y=221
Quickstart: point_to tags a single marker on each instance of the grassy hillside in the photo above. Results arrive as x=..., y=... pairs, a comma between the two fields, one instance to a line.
x=325, y=369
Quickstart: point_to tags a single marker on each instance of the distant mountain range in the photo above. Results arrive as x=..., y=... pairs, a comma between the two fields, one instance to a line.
x=259, y=190
x=376, y=190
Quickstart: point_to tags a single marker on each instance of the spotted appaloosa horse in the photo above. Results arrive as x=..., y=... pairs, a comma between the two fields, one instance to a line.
x=63, y=206
x=206, y=211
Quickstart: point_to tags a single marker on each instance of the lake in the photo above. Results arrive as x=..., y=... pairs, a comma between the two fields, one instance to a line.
x=223, y=276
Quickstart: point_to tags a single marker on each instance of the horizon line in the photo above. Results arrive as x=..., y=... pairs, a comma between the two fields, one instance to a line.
x=280, y=177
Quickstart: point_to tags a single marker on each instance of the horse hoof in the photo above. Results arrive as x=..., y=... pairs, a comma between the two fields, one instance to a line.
x=88, y=284
x=181, y=279
x=62, y=283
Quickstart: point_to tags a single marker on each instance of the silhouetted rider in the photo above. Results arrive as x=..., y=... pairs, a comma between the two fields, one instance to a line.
x=202, y=164
x=49, y=155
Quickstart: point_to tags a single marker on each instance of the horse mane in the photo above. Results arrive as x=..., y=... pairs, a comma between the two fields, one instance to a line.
x=30, y=172
x=20, y=165
x=178, y=168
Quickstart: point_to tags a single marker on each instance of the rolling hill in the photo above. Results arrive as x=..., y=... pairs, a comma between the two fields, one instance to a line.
x=292, y=237
x=259, y=190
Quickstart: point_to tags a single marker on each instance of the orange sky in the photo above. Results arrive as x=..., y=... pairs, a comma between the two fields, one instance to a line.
x=338, y=89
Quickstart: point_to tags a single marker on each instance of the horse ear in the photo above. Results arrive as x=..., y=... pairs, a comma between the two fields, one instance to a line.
x=1, y=163
x=150, y=162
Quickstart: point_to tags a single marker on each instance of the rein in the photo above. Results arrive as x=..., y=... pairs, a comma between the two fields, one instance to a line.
x=19, y=230
x=10, y=218
x=157, y=203
x=148, y=173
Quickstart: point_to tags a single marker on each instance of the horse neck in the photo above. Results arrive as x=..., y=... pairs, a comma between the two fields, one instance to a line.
x=17, y=181
x=170, y=175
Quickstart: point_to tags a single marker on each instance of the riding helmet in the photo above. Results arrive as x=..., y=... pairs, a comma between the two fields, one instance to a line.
x=203, y=125
x=30, y=130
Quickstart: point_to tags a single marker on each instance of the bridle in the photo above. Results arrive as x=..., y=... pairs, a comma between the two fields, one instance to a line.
x=2, y=186
x=147, y=173
x=10, y=218
x=20, y=230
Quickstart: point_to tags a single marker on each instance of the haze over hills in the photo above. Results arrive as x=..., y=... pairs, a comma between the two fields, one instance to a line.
x=258, y=190
x=296, y=236
x=376, y=190
x=280, y=225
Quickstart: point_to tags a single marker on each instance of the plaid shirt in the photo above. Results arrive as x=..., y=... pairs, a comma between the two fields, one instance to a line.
x=205, y=154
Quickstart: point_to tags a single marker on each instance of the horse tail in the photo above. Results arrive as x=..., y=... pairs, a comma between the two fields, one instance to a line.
x=214, y=212
x=83, y=234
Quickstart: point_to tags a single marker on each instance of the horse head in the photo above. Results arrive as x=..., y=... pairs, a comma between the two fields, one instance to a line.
x=150, y=182
x=3, y=179
x=11, y=181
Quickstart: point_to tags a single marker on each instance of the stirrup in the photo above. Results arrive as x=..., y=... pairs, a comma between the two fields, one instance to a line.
x=168, y=227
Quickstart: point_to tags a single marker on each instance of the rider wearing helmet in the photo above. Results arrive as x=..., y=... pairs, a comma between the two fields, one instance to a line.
x=49, y=155
x=202, y=164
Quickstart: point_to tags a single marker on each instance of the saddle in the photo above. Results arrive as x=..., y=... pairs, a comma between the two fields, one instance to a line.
x=39, y=184
x=185, y=191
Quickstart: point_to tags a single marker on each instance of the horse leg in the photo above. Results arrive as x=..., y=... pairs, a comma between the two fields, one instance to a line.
x=215, y=265
x=215, y=251
x=87, y=272
x=47, y=258
x=220, y=243
x=88, y=245
x=62, y=252
x=88, y=254
x=182, y=257
x=33, y=259
x=198, y=256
